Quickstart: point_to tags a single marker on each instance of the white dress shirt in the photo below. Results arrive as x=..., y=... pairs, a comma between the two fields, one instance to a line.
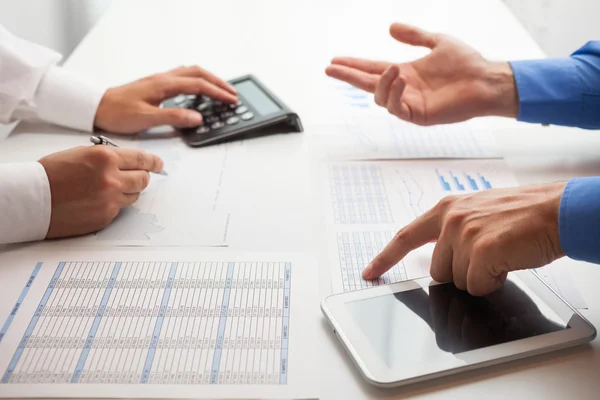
x=33, y=87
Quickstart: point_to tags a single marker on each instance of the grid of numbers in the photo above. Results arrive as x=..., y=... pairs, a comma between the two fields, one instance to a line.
x=359, y=194
x=159, y=323
x=356, y=250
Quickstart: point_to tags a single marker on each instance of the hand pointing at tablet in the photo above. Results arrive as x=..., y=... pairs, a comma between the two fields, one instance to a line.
x=481, y=237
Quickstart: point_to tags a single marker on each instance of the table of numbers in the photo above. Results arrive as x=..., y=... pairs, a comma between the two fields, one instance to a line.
x=358, y=194
x=159, y=323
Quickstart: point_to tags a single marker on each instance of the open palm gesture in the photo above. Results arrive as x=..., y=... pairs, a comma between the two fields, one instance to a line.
x=452, y=83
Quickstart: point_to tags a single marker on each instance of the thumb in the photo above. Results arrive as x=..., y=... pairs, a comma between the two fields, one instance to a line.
x=412, y=35
x=178, y=117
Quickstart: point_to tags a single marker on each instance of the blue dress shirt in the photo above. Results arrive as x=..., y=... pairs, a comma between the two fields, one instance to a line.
x=566, y=91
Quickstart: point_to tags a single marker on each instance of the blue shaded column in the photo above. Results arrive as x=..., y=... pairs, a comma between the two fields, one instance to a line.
x=222, y=323
x=30, y=328
x=158, y=325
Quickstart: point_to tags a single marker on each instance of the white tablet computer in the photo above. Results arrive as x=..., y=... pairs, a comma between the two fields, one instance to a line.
x=418, y=330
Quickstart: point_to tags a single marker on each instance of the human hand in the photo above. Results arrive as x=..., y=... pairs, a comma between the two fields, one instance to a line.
x=135, y=106
x=452, y=83
x=482, y=236
x=89, y=185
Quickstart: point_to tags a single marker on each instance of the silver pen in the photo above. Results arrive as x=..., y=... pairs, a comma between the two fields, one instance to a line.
x=107, y=142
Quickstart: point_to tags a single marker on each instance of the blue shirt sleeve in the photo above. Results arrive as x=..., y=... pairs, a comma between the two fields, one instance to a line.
x=579, y=219
x=563, y=91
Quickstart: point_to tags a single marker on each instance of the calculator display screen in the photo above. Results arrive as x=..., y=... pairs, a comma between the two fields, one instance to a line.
x=259, y=100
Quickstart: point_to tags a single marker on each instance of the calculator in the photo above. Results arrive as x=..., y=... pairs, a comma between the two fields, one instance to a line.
x=258, y=112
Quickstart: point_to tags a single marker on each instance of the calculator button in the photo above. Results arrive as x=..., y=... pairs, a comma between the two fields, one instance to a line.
x=218, y=103
x=236, y=105
x=207, y=113
x=220, y=109
x=232, y=120
x=212, y=119
x=241, y=110
x=179, y=99
x=191, y=97
x=217, y=125
x=203, y=106
x=203, y=129
x=227, y=114
x=247, y=116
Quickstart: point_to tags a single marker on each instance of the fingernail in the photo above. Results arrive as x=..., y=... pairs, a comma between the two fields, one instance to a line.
x=194, y=118
x=367, y=271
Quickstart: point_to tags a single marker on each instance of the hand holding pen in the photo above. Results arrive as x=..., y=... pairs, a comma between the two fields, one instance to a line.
x=103, y=140
x=91, y=184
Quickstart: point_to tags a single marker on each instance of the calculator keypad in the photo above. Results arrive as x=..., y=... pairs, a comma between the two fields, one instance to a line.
x=216, y=115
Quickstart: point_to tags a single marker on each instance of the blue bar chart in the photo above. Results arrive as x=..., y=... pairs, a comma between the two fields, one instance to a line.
x=462, y=182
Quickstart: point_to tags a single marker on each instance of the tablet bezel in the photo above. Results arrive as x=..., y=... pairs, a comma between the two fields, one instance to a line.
x=378, y=374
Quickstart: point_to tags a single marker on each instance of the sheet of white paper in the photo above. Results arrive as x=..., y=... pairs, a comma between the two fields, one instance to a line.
x=174, y=210
x=157, y=324
x=367, y=202
x=350, y=126
x=383, y=136
x=557, y=276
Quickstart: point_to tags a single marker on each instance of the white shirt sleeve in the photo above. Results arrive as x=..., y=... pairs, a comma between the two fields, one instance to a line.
x=33, y=87
x=25, y=203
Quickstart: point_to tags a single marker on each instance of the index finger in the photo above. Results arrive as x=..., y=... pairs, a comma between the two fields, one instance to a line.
x=197, y=72
x=368, y=66
x=132, y=159
x=175, y=85
x=361, y=80
x=421, y=231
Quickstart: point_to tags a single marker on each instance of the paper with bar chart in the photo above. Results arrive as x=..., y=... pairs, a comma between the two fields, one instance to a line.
x=367, y=202
x=201, y=325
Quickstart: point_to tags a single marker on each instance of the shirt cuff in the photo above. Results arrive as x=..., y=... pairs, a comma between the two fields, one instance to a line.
x=25, y=202
x=549, y=91
x=64, y=99
x=579, y=219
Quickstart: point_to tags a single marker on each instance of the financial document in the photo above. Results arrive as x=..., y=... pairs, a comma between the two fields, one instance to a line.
x=174, y=210
x=202, y=325
x=353, y=127
x=366, y=203
x=557, y=276
x=376, y=136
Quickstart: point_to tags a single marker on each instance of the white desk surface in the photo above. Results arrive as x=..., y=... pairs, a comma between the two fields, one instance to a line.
x=287, y=44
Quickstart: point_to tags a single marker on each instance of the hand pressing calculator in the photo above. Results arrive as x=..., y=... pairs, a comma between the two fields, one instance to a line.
x=257, y=113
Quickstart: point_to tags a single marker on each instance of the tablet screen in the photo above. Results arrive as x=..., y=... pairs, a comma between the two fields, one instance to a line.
x=442, y=321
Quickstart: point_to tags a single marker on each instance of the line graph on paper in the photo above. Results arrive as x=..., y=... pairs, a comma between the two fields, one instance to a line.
x=359, y=195
x=357, y=249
